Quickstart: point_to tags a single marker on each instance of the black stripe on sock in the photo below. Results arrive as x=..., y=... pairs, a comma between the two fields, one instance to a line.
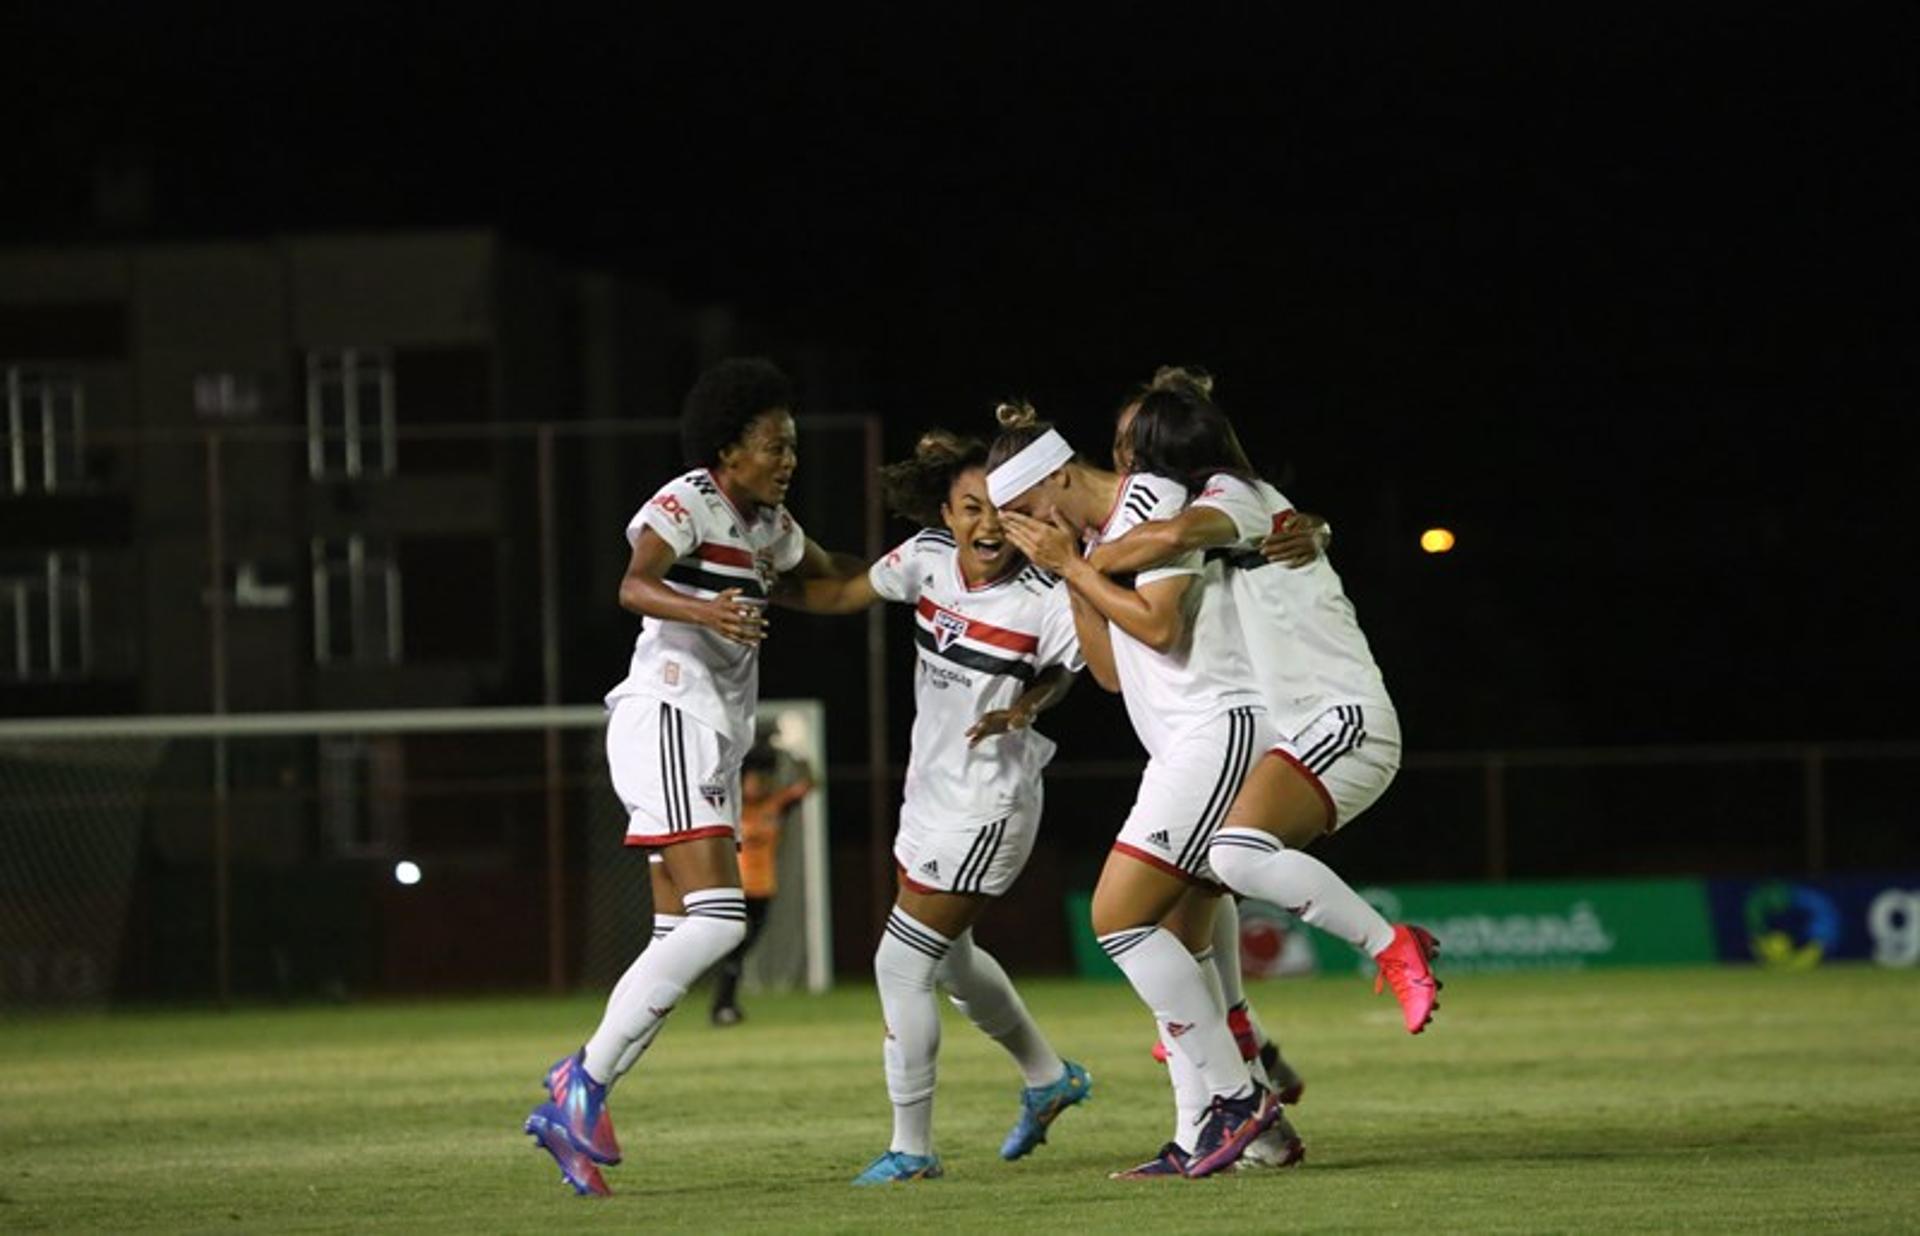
x=937, y=954
x=925, y=935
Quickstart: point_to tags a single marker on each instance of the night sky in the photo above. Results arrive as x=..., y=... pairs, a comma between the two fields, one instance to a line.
x=1624, y=300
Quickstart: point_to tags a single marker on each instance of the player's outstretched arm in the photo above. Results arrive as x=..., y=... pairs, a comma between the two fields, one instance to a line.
x=825, y=583
x=1047, y=689
x=1159, y=541
x=642, y=591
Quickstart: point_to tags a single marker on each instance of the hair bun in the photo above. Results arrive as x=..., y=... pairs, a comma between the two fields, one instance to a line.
x=1016, y=414
x=1176, y=377
x=939, y=444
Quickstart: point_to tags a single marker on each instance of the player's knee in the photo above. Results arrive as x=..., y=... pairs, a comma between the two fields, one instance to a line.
x=1237, y=853
x=902, y=964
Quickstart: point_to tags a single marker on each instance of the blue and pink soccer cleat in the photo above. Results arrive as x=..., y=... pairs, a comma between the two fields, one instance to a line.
x=1171, y=1162
x=548, y=1125
x=1041, y=1105
x=1231, y=1126
x=584, y=1102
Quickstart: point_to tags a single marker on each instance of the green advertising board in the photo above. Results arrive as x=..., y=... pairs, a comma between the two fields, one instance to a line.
x=1539, y=925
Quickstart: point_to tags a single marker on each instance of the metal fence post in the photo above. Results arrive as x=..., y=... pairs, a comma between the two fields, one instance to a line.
x=1813, y=795
x=550, y=696
x=217, y=671
x=879, y=839
x=1496, y=795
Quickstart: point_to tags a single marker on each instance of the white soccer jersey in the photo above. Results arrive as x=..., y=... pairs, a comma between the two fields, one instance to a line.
x=711, y=678
x=1303, y=639
x=1170, y=693
x=979, y=649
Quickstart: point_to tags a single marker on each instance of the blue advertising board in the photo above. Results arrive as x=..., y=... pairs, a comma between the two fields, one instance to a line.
x=1799, y=923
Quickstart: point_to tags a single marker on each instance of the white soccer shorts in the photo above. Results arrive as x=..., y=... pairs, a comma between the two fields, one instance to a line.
x=976, y=858
x=1350, y=753
x=678, y=779
x=1184, y=793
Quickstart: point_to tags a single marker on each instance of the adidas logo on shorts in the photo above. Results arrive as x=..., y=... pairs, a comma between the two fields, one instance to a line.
x=930, y=867
x=1160, y=839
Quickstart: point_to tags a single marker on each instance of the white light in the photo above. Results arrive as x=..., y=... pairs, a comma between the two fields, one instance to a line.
x=407, y=872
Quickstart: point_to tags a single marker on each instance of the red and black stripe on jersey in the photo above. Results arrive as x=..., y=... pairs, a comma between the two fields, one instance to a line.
x=1005, y=652
x=715, y=568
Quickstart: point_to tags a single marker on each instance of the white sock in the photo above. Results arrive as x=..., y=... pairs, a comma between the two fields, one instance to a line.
x=1190, y=1100
x=1165, y=975
x=1226, y=964
x=1254, y=863
x=903, y=967
x=663, y=926
x=715, y=923
x=983, y=993
x=1226, y=950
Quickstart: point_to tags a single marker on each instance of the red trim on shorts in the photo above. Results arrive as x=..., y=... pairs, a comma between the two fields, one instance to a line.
x=1326, y=799
x=983, y=632
x=727, y=555
x=661, y=840
x=914, y=884
x=1154, y=860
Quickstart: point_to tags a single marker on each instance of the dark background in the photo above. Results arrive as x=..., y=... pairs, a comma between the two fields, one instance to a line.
x=1623, y=300
x=1627, y=301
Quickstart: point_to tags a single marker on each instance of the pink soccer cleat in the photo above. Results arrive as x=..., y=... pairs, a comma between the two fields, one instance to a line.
x=1405, y=964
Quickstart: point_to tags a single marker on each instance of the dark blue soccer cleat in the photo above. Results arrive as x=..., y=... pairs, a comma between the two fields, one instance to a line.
x=1170, y=1162
x=1040, y=1106
x=1230, y=1127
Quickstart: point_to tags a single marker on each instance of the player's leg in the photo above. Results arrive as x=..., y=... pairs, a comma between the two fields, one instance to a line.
x=1284, y=806
x=726, y=979
x=919, y=932
x=1251, y=1036
x=1129, y=902
x=651, y=749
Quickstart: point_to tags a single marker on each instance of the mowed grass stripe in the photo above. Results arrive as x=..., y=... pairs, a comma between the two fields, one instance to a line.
x=1625, y=1101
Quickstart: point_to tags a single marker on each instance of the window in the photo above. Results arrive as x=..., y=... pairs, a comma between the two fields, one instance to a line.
x=46, y=617
x=44, y=417
x=356, y=602
x=361, y=788
x=349, y=413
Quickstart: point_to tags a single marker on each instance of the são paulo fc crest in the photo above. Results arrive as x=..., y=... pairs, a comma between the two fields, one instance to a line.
x=715, y=792
x=947, y=627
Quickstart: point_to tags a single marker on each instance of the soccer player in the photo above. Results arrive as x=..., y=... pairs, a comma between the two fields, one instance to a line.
x=1323, y=689
x=706, y=550
x=1170, y=644
x=996, y=647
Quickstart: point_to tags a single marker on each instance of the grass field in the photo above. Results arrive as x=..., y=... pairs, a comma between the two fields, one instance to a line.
x=1647, y=1101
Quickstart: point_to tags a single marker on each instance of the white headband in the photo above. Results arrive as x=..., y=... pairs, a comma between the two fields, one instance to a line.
x=1034, y=462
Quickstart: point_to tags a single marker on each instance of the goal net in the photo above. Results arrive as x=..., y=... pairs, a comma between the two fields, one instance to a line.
x=344, y=853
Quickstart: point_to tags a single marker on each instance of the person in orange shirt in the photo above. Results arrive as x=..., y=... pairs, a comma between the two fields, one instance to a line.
x=769, y=786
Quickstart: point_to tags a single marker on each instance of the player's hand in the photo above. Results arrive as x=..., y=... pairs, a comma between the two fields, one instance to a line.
x=743, y=622
x=1298, y=541
x=1049, y=545
x=999, y=721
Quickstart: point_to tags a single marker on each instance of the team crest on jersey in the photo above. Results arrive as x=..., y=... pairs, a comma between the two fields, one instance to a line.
x=947, y=627
x=715, y=792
